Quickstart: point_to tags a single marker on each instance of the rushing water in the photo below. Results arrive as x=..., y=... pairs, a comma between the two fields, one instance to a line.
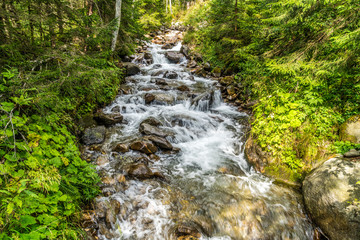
x=209, y=185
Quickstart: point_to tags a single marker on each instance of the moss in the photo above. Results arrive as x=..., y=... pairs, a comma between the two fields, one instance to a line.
x=283, y=174
x=216, y=70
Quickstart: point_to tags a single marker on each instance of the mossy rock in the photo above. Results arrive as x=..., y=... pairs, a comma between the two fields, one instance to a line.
x=350, y=130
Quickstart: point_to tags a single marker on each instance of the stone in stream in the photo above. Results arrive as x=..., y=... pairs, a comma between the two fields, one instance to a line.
x=143, y=146
x=183, y=88
x=102, y=160
x=160, y=81
x=122, y=148
x=149, y=98
x=152, y=121
x=156, y=66
x=160, y=142
x=352, y=153
x=131, y=68
x=158, y=73
x=164, y=99
x=108, y=119
x=185, y=50
x=148, y=56
x=174, y=57
x=207, y=66
x=116, y=109
x=167, y=46
x=140, y=171
x=148, y=129
x=170, y=75
x=94, y=135
x=192, y=64
x=331, y=194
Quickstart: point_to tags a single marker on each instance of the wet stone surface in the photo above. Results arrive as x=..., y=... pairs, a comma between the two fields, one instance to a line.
x=174, y=167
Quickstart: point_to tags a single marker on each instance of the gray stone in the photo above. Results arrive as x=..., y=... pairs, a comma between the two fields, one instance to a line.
x=162, y=98
x=171, y=75
x=160, y=142
x=330, y=195
x=152, y=121
x=147, y=129
x=149, y=98
x=108, y=119
x=352, y=153
x=185, y=50
x=174, y=57
x=94, y=135
x=131, y=68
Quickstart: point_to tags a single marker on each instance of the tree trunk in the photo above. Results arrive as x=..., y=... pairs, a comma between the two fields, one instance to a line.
x=118, y=19
x=170, y=7
x=236, y=12
x=31, y=23
x=166, y=6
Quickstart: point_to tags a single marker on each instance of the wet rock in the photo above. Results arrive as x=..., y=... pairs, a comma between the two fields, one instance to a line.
x=230, y=90
x=185, y=50
x=160, y=142
x=157, y=73
x=108, y=180
x=160, y=81
x=149, y=98
x=183, y=88
x=184, y=229
x=126, y=59
x=116, y=109
x=131, y=68
x=108, y=119
x=148, y=56
x=174, y=57
x=102, y=160
x=154, y=157
x=207, y=66
x=216, y=72
x=152, y=121
x=156, y=66
x=148, y=129
x=140, y=171
x=207, y=96
x=192, y=64
x=94, y=135
x=170, y=75
x=112, y=211
x=352, y=153
x=330, y=194
x=143, y=146
x=227, y=80
x=104, y=230
x=163, y=98
x=122, y=148
x=167, y=46
x=198, y=57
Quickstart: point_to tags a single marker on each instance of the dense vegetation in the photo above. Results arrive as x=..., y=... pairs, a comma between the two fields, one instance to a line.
x=300, y=59
x=56, y=65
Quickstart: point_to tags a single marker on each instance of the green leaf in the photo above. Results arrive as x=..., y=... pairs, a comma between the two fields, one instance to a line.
x=10, y=208
x=27, y=220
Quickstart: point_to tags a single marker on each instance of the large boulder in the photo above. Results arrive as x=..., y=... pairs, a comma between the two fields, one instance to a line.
x=174, y=57
x=331, y=196
x=350, y=130
x=170, y=75
x=131, y=68
x=164, y=99
x=140, y=171
x=94, y=135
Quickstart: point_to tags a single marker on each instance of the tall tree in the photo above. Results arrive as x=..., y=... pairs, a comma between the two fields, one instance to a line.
x=118, y=20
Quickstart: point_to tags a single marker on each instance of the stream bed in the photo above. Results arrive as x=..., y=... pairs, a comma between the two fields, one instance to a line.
x=198, y=187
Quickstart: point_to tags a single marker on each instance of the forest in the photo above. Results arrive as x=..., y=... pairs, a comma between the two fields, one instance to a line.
x=297, y=63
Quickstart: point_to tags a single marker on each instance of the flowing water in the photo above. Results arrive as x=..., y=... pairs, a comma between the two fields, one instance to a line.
x=209, y=187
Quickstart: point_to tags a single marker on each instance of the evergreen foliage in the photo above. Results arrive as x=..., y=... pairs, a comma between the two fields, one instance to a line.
x=299, y=58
